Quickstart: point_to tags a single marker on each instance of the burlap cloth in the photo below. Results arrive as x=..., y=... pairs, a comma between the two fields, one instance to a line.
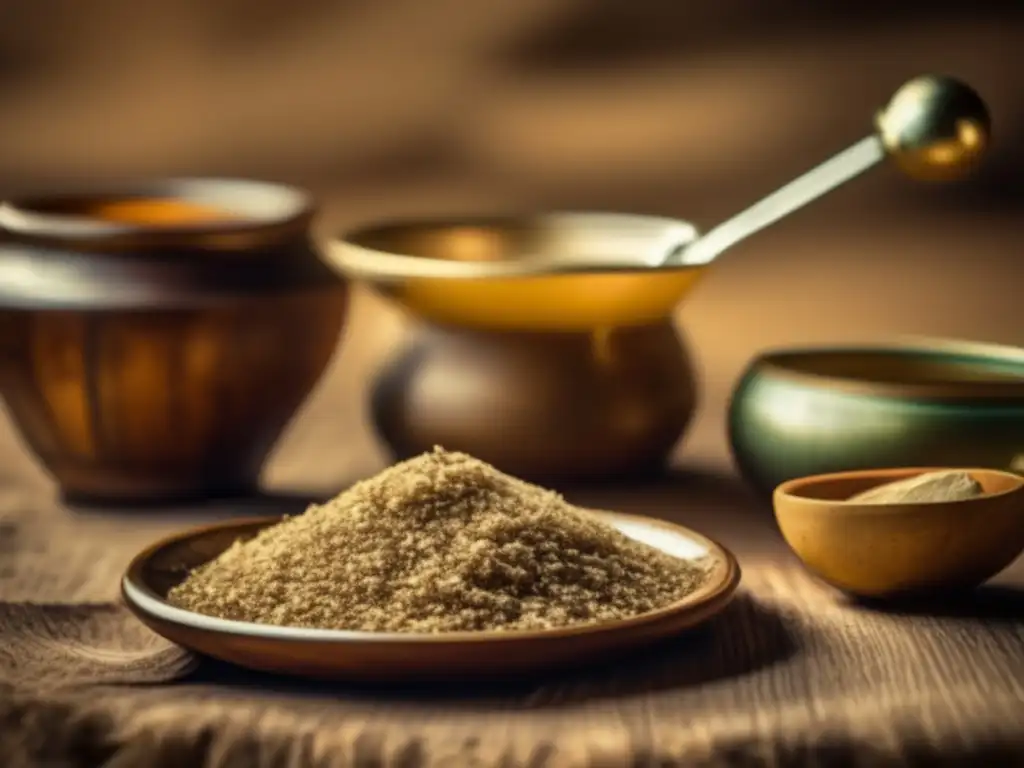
x=790, y=675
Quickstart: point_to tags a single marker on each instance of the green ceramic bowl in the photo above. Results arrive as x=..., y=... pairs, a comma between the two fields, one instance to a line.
x=806, y=412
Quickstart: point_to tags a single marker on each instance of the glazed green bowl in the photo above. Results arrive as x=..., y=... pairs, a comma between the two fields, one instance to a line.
x=814, y=411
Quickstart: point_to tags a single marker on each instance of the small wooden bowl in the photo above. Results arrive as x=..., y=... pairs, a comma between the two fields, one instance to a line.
x=886, y=550
x=378, y=657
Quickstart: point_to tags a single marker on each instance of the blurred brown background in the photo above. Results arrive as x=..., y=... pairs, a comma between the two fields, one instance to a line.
x=678, y=108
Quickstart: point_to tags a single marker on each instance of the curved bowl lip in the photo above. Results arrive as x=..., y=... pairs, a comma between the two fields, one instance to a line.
x=790, y=490
x=258, y=204
x=962, y=353
x=371, y=264
x=142, y=599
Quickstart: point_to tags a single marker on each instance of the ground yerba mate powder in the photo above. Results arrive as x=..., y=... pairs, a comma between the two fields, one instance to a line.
x=945, y=485
x=440, y=543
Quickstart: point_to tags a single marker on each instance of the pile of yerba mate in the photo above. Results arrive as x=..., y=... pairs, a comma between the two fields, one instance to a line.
x=440, y=543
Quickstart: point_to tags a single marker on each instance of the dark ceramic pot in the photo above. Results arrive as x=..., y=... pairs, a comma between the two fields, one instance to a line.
x=156, y=339
x=545, y=406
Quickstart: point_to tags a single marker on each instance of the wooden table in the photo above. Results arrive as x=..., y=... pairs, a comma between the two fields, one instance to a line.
x=790, y=674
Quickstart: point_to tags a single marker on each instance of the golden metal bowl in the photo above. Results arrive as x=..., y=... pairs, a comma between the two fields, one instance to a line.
x=548, y=272
x=807, y=412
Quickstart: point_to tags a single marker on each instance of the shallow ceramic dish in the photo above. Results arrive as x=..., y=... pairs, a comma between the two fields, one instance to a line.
x=805, y=412
x=333, y=654
x=887, y=550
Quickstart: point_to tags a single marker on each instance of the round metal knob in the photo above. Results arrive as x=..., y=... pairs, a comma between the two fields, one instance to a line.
x=935, y=128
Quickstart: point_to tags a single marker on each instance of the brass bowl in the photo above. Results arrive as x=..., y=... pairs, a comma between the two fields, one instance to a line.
x=806, y=412
x=556, y=272
x=152, y=348
x=541, y=354
x=890, y=550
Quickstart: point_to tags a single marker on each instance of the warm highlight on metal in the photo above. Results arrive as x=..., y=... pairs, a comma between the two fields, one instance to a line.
x=935, y=128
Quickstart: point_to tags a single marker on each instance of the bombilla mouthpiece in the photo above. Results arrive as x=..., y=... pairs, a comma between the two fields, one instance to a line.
x=935, y=128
